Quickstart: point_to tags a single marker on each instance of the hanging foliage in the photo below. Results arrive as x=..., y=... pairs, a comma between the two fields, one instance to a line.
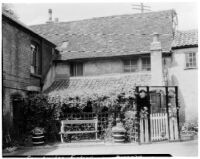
x=101, y=98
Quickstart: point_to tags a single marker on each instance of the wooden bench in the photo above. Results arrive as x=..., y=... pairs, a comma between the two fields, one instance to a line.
x=64, y=123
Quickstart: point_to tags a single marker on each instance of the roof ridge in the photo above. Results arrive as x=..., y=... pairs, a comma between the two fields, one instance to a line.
x=102, y=17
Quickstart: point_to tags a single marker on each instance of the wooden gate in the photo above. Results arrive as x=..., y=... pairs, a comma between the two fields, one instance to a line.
x=162, y=121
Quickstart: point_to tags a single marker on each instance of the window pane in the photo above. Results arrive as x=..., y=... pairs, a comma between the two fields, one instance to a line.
x=134, y=68
x=130, y=65
x=127, y=69
x=126, y=62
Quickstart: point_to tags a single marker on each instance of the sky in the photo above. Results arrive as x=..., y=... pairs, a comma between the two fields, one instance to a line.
x=31, y=14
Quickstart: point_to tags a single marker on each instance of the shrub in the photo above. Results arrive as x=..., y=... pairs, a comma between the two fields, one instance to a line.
x=38, y=112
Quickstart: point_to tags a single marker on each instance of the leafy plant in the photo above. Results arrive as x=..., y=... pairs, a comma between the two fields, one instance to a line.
x=189, y=128
x=130, y=124
x=38, y=112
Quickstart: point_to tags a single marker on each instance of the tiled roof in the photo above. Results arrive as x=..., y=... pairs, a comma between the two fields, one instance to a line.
x=185, y=38
x=109, y=36
x=106, y=83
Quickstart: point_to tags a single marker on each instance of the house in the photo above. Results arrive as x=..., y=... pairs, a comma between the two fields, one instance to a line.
x=111, y=53
x=26, y=57
x=118, y=50
x=107, y=54
x=110, y=46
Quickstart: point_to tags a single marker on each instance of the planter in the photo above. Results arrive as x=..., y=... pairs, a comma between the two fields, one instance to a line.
x=38, y=139
x=38, y=136
x=186, y=137
x=118, y=133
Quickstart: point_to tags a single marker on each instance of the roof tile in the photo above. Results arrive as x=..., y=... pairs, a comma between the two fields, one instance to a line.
x=185, y=38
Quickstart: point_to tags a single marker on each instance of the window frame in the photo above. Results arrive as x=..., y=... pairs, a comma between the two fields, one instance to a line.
x=35, y=59
x=131, y=65
x=193, y=63
x=146, y=68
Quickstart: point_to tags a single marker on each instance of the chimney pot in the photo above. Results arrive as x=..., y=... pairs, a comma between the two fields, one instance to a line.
x=50, y=15
x=155, y=37
x=155, y=45
x=56, y=20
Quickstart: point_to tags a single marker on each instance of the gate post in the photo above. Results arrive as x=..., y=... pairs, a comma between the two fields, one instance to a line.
x=149, y=112
x=138, y=114
x=167, y=109
x=177, y=111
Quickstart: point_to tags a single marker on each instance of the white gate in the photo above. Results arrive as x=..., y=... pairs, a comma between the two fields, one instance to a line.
x=159, y=128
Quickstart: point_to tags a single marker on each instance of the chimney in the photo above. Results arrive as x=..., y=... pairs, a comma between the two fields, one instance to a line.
x=50, y=16
x=156, y=62
x=56, y=20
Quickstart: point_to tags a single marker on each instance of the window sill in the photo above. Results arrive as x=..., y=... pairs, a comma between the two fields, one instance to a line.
x=36, y=75
x=190, y=68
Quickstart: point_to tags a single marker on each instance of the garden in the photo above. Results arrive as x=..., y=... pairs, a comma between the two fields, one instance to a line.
x=116, y=110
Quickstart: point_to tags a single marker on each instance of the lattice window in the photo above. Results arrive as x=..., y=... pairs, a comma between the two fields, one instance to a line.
x=191, y=60
x=146, y=64
x=130, y=65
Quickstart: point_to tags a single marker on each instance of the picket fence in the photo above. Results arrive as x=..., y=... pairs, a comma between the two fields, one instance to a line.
x=159, y=127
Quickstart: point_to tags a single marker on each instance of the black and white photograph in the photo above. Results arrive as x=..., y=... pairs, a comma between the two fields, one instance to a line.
x=85, y=79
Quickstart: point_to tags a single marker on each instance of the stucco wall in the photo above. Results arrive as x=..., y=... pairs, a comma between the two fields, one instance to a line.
x=62, y=69
x=99, y=67
x=187, y=80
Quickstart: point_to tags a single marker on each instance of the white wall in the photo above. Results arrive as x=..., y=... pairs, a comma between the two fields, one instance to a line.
x=187, y=81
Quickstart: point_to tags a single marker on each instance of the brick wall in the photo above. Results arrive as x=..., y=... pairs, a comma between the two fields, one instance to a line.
x=16, y=57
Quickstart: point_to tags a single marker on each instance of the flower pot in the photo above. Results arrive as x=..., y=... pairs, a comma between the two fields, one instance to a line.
x=38, y=138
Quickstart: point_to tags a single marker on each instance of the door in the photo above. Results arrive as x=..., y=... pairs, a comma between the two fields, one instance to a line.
x=18, y=122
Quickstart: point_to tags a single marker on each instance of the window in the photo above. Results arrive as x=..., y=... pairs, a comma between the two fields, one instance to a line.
x=35, y=58
x=76, y=69
x=191, y=60
x=130, y=65
x=146, y=65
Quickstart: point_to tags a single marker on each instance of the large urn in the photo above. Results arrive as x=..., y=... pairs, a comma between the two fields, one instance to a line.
x=118, y=132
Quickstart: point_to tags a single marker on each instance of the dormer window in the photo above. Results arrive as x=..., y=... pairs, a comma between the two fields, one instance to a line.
x=76, y=69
